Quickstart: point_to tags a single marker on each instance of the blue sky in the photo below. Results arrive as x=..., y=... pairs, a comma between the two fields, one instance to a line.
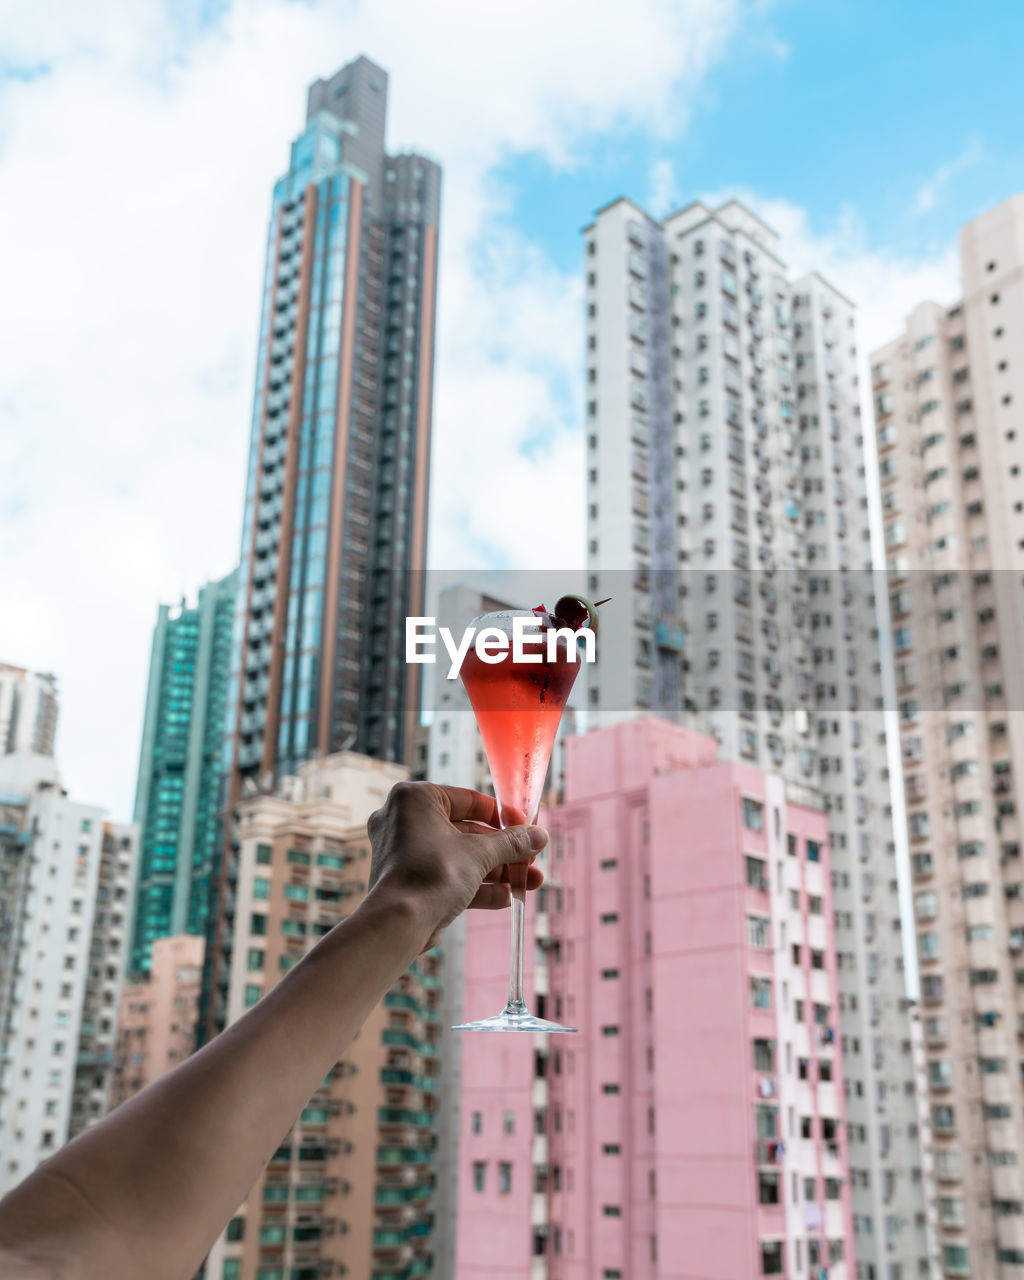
x=825, y=104
x=866, y=133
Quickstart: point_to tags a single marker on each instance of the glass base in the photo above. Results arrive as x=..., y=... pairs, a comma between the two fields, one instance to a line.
x=515, y=1018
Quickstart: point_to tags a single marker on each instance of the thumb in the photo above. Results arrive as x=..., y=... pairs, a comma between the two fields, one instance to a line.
x=515, y=844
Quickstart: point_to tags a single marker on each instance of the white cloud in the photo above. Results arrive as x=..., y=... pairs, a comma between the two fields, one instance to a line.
x=661, y=189
x=134, y=186
x=931, y=190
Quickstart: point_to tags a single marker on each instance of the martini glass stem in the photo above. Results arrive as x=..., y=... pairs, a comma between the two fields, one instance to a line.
x=516, y=1002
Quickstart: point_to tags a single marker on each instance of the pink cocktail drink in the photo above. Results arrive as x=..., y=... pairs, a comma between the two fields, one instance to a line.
x=518, y=705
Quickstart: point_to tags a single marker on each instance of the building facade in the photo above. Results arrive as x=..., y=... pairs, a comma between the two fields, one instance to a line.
x=51, y=851
x=335, y=516
x=179, y=781
x=336, y=501
x=351, y=1189
x=28, y=711
x=108, y=950
x=695, y=1125
x=728, y=519
x=947, y=393
x=28, y=727
x=156, y=1026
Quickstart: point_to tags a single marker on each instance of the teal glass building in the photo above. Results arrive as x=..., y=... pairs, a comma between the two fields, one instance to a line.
x=179, y=782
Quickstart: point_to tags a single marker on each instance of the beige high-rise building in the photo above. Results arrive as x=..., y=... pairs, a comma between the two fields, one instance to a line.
x=156, y=1028
x=948, y=395
x=350, y=1190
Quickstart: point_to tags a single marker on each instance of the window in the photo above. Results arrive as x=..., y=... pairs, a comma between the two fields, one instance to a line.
x=252, y=994
x=757, y=874
x=758, y=932
x=255, y=959
x=924, y=905
x=753, y=814
x=263, y=852
x=235, y=1229
x=612, y=1211
x=479, y=1173
x=260, y=888
x=954, y=1259
x=504, y=1177
x=761, y=993
x=771, y=1258
x=478, y=1122
x=943, y=1119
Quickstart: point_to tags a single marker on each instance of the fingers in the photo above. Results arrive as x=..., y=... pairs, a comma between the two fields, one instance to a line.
x=495, y=895
x=491, y=897
x=463, y=805
x=517, y=844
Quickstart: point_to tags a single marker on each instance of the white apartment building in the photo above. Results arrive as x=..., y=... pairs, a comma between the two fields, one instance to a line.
x=28, y=711
x=97, y=1034
x=728, y=519
x=50, y=853
x=947, y=395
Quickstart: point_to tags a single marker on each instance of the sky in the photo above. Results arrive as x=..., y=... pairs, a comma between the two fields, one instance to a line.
x=139, y=142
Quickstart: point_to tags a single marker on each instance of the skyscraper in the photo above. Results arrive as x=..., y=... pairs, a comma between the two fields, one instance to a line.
x=947, y=396
x=335, y=518
x=178, y=789
x=336, y=499
x=695, y=1125
x=728, y=519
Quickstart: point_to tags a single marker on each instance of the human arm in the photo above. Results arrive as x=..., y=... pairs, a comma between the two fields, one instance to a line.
x=147, y=1190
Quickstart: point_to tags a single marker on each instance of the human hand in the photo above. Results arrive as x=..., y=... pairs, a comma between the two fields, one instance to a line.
x=438, y=848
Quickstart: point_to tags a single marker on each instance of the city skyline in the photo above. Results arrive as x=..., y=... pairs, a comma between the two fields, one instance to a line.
x=511, y=249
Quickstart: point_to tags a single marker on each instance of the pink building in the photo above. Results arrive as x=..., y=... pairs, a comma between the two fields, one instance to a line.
x=157, y=1023
x=695, y=1126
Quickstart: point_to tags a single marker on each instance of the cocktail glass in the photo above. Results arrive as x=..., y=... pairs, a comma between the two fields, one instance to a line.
x=518, y=708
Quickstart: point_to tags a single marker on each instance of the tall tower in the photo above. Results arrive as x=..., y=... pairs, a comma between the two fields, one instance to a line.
x=947, y=396
x=728, y=519
x=178, y=787
x=335, y=520
x=336, y=501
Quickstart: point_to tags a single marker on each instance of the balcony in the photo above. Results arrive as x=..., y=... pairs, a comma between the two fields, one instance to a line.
x=769, y=1150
